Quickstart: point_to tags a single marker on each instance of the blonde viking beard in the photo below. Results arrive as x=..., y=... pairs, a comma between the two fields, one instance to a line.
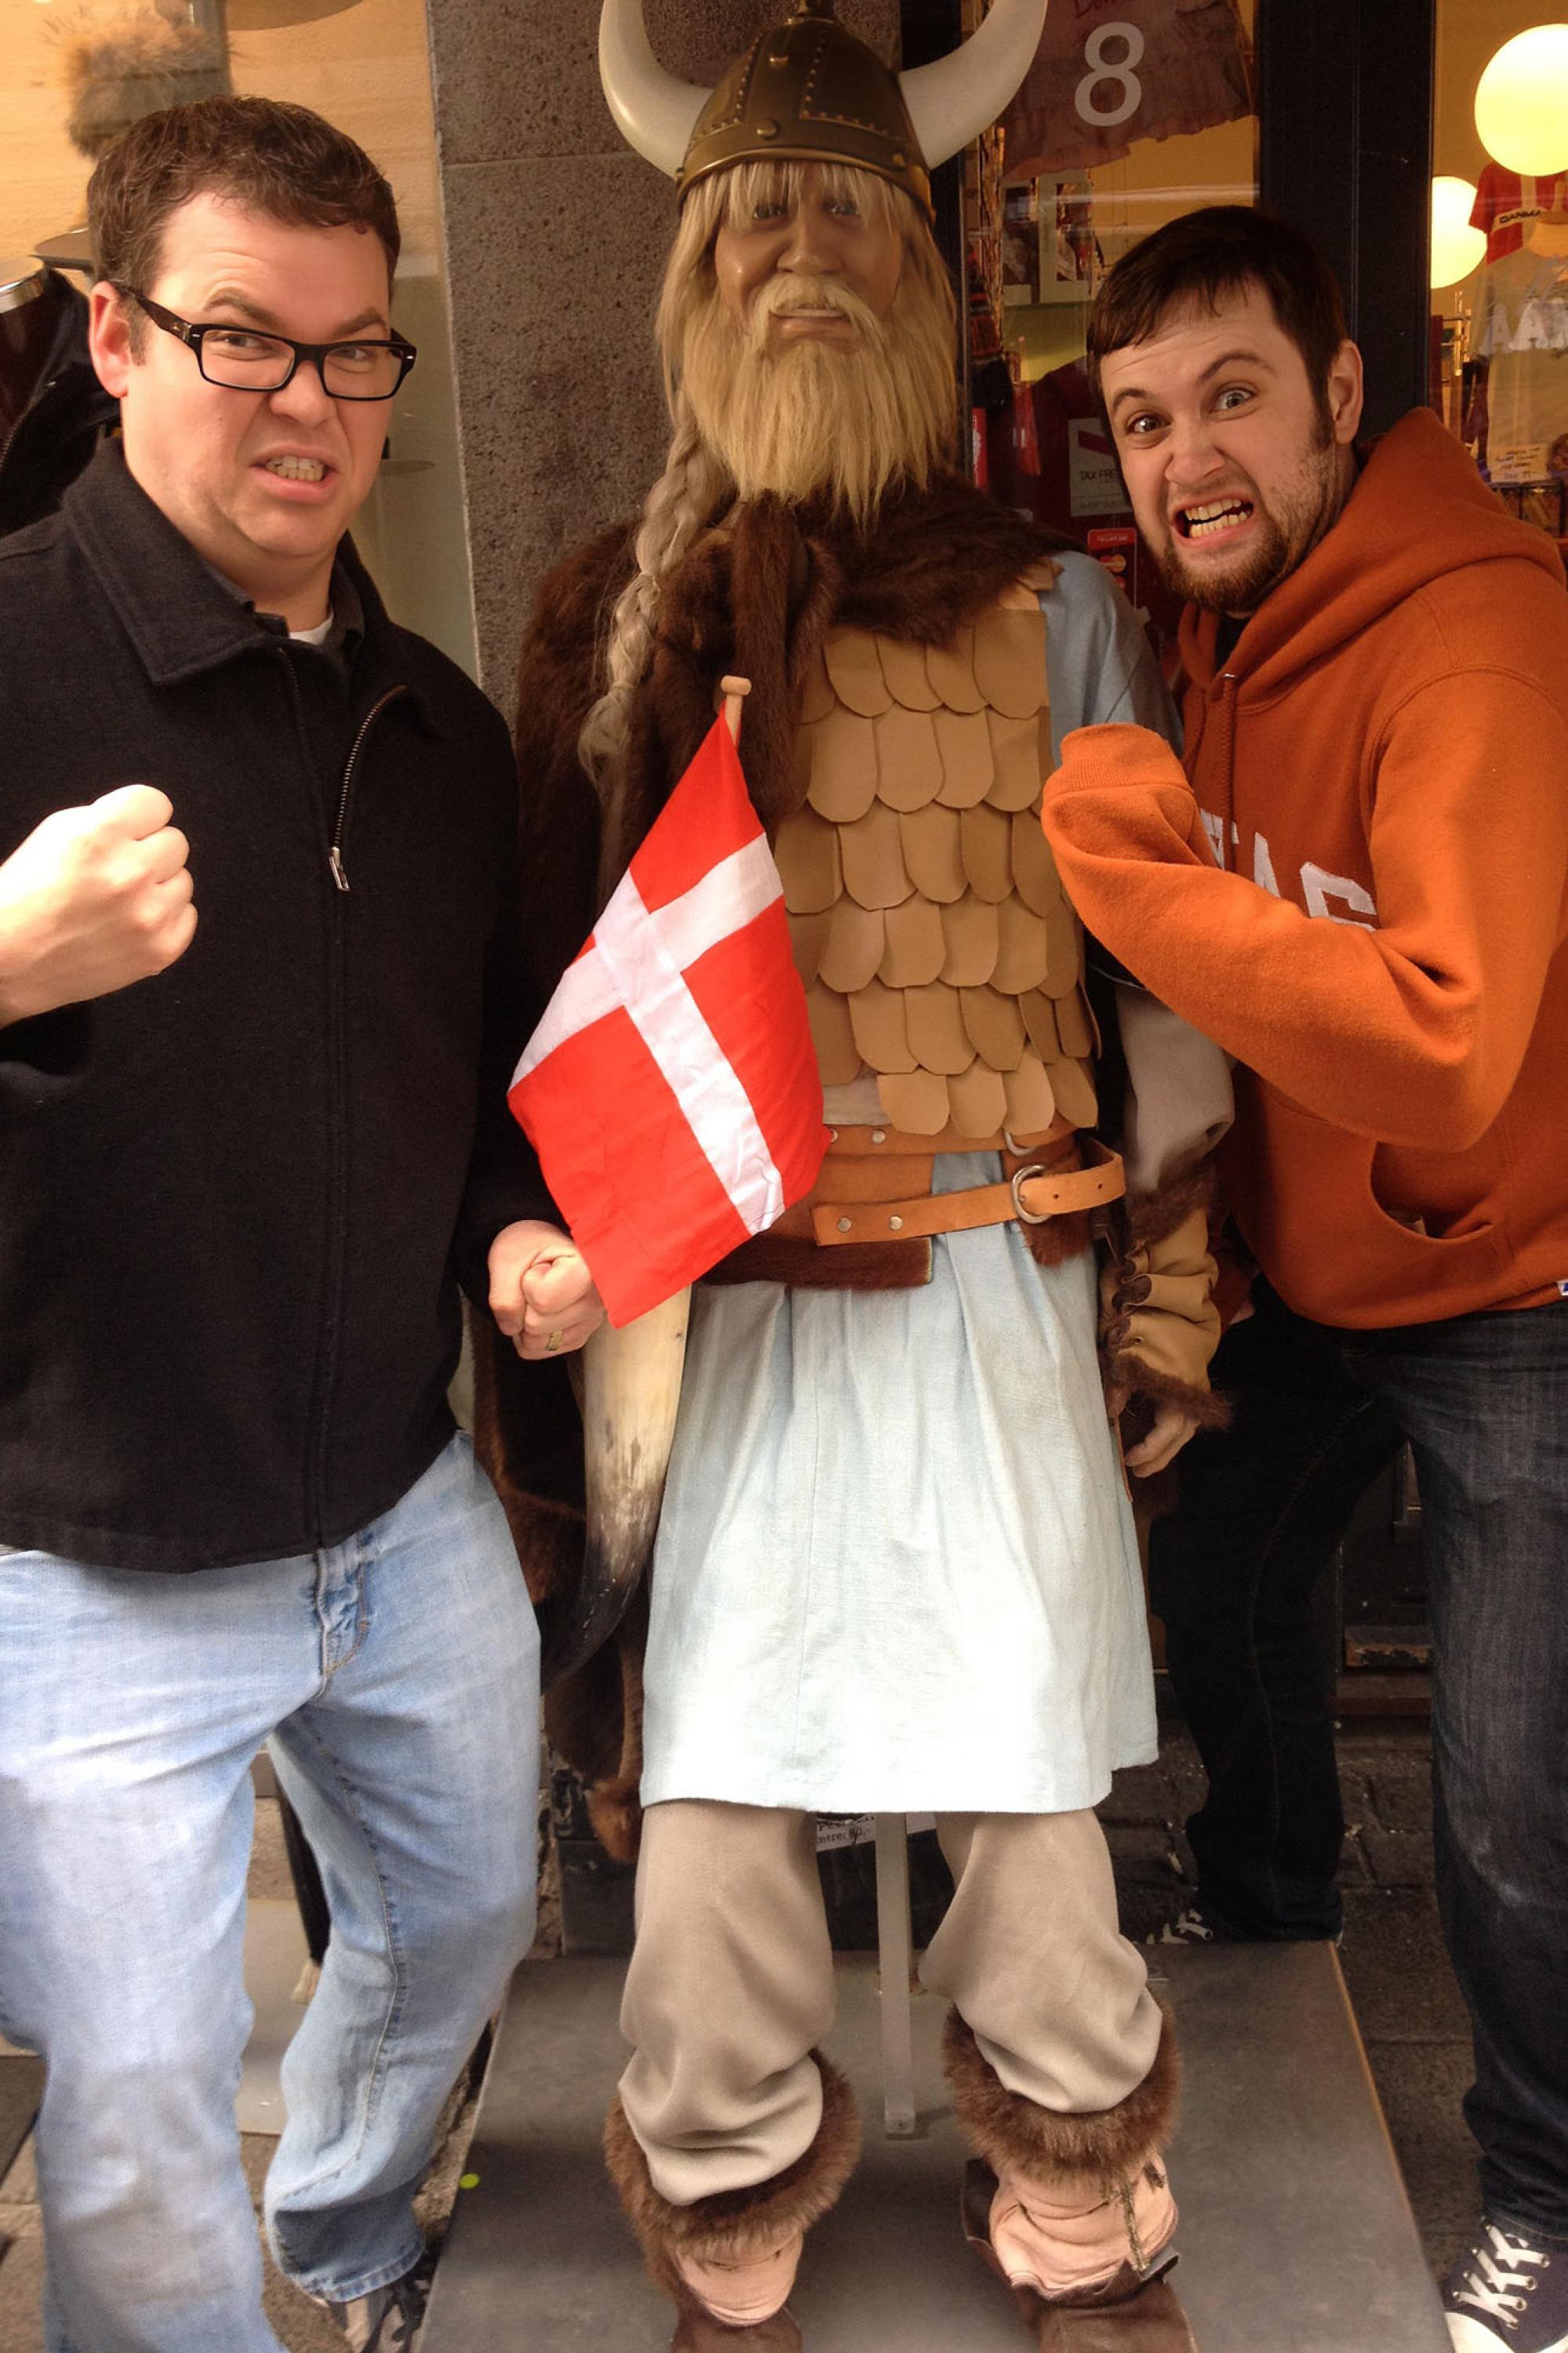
x=813, y=420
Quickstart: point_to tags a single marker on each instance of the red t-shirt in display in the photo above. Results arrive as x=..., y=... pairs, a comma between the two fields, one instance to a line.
x=1506, y=202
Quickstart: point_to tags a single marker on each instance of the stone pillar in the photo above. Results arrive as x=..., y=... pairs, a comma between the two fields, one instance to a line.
x=556, y=235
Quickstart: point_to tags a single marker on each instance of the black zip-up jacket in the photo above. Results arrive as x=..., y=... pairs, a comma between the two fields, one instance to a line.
x=234, y=1200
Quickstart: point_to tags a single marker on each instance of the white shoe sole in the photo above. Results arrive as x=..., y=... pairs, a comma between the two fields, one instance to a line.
x=1469, y=2336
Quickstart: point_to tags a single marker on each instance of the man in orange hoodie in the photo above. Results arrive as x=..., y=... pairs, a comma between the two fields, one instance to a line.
x=1357, y=884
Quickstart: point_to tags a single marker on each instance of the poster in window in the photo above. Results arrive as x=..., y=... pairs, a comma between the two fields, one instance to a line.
x=1108, y=72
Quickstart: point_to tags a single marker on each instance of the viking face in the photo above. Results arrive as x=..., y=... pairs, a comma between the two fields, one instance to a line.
x=806, y=259
x=807, y=327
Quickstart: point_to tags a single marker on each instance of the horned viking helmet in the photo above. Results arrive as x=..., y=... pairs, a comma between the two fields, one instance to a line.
x=808, y=90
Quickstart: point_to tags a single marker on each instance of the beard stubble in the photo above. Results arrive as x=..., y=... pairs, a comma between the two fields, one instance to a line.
x=1289, y=531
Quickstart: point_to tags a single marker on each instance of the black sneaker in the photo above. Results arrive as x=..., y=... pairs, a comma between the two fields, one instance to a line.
x=1507, y=2291
x=388, y=2319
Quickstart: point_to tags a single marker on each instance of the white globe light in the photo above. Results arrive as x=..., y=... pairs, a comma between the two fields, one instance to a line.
x=1457, y=248
x=1522, y=102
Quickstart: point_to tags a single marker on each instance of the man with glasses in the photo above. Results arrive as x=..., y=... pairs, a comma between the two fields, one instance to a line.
x=244, y=1162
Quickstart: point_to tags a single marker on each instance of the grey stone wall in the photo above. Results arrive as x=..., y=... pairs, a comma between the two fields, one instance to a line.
x=556, y=235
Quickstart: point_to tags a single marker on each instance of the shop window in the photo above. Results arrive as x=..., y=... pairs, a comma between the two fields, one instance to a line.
x=1134, y=111
x=74, y=69
x=1499, y=250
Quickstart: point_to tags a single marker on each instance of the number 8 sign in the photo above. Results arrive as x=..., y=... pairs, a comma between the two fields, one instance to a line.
x=1109, y=73
x=1119, y=71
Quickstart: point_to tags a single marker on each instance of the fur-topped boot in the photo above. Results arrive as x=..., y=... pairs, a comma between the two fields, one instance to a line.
x=730, y=2261
x=1074, y=2211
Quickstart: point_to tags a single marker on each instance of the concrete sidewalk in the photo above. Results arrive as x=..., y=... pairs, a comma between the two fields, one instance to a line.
x=1404, y=1999
x=1406, y=2004
x=1282, y=2169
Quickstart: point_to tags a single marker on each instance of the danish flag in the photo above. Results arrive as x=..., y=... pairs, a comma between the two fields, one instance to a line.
x=671, y=1089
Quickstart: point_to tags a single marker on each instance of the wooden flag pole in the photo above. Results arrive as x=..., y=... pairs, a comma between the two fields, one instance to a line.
x=734, y=692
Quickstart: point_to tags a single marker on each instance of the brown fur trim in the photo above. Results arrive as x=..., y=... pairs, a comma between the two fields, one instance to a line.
x=558, y=675
x=615, y=1814
x=615, y=1808
x=1150, y=1217
x=938, y=559
x=526, y=1425
x=1105, y=2146
x=757, y=596
x=736, y=2225
x=582, y=1717
x=1061, y=1239
x=1129, y=1376
x=593, y=1718
x=558, y=680
x=548, y=1536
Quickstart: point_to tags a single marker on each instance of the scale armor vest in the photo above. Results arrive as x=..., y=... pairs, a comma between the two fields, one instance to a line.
x=928, y=919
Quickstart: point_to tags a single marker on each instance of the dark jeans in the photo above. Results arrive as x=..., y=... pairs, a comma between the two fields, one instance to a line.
x=1483, y=1400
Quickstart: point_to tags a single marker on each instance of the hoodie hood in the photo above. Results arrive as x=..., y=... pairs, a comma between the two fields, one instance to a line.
x=1419, y=513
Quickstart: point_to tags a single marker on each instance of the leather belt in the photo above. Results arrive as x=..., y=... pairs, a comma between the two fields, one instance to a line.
x=838, y=1239
x=1033, y=1191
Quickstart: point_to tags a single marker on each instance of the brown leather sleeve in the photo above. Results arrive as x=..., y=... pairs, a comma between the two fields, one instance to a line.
x=1159, y=1325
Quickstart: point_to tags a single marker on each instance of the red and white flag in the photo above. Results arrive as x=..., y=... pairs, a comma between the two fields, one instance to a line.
x=671, y=1089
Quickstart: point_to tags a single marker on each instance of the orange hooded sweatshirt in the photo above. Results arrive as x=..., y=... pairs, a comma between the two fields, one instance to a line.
x=1381, y=766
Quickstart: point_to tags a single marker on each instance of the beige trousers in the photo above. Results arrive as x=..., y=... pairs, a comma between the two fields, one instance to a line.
x=731, y=1982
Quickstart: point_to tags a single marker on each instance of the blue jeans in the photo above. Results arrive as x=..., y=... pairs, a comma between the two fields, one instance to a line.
x=397, y=1676
x=1483, y=1400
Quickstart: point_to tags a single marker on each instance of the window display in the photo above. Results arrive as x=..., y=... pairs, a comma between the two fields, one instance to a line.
x=76, y=71
x=1500, y=331
x=1134, y=111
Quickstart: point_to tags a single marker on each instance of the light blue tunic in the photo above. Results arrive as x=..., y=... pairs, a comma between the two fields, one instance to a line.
x=896, y=1570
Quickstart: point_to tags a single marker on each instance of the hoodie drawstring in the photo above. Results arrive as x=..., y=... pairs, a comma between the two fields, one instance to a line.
x=1228, y=770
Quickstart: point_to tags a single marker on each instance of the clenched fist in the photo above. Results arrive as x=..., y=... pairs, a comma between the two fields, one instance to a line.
x=542, y=1292
x=94, y=899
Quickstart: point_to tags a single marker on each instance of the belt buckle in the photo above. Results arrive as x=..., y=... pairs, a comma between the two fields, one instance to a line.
x=1029, y=1216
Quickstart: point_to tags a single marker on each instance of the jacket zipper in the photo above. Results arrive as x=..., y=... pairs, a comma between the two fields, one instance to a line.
x=40, y=394
x=332, y=1302
x=335, y=854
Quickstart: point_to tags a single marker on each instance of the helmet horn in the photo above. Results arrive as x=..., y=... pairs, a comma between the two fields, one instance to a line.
x=655, y=112
x=956, y=98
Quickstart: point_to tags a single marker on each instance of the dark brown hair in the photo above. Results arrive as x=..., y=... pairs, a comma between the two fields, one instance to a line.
x=1203, y=257
x=280, y=159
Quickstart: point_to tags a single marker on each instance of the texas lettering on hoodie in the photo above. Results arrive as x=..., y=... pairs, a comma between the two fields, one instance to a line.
x=1359, y=886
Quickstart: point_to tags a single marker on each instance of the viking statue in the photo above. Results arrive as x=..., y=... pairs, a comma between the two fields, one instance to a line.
x=895, y=1568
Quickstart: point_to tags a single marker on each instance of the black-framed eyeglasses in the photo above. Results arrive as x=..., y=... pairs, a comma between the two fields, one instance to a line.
x=242, y=359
